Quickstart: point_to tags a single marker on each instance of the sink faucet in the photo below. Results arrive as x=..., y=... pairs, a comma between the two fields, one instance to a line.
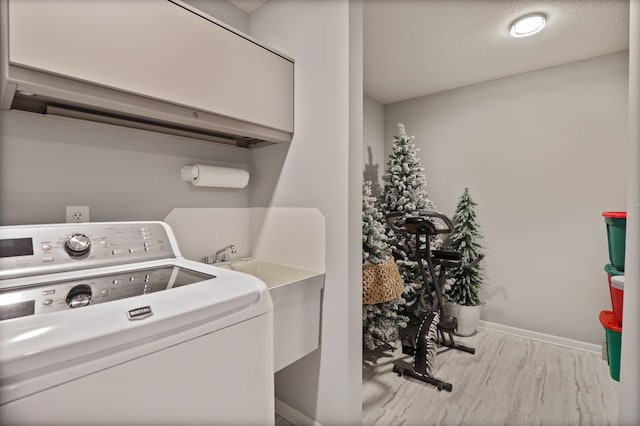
x=221, y=255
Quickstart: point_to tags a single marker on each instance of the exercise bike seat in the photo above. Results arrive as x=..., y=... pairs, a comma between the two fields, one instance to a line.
x=422, y=225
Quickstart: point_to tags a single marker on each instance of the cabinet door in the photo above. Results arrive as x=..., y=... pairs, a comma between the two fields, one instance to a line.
x=157, y=49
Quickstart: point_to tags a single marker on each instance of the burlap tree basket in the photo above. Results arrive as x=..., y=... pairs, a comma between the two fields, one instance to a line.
x=381, y=282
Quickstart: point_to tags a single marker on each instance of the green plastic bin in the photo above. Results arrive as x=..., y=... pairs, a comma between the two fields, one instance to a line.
x=614, y=339
x=616, y=230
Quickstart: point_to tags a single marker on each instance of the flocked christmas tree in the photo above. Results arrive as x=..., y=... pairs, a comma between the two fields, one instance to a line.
x=380, y=322
x=465, y=239
x=405, y=191
x=375, y=249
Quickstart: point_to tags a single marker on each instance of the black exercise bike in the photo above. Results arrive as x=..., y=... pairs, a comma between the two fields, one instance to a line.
x=421, y=338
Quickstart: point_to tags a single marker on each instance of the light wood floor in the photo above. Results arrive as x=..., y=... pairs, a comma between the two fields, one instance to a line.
x=281, y=421
x=509, y=381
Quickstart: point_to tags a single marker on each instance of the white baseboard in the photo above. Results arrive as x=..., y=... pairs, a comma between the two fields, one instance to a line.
x=541, y=337
x=294, y=416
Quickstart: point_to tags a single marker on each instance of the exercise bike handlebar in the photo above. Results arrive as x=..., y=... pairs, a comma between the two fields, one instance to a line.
x=448, y=224
x=390, y=223
x=443, y=218
x=474, y=262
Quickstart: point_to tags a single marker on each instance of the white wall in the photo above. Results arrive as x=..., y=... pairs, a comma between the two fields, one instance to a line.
x=47, y=163
x=629, y=409
x=373, y=141
x=544, y=155
x=314, y=171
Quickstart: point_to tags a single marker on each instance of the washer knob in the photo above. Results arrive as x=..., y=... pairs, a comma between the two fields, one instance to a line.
x=77, y=245
x=79, y=296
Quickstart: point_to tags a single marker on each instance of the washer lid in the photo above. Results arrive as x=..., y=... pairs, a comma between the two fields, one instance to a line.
x=55, y=293
x=41, y=351
x=617, y=281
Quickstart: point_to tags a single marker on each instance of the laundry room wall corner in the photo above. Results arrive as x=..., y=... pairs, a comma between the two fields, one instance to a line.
x=315, y=171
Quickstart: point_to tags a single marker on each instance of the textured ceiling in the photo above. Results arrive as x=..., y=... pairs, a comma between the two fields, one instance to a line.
x=417, y=47
x=248, y=5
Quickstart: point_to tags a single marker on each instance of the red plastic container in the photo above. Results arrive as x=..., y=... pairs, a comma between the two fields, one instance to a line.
x=616, y=287
x=616, y=293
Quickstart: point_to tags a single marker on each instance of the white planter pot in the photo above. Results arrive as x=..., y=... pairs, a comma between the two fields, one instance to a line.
x=468, y=317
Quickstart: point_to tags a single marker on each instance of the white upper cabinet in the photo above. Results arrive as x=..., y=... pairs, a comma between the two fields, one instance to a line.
x=157, y=49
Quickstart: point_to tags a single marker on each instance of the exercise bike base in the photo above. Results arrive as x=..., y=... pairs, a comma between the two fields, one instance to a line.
x=439, y=384
x=408, y=350
x=460, y=347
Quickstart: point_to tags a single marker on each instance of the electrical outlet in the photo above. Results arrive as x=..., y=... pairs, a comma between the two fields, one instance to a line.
x=77, y=214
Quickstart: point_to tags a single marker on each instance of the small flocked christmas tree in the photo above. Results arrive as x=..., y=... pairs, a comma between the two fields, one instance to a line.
x=380, y=322
x=375, y=249
x=405, y=191
x=466, y=281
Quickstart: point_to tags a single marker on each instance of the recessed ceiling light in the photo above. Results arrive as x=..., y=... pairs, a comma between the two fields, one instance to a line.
x=528, y=25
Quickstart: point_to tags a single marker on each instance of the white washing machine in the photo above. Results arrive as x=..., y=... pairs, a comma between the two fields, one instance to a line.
x=106, y=323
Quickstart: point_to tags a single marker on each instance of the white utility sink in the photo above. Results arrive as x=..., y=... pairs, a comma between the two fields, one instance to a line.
x=297, y=301
x=273, y=274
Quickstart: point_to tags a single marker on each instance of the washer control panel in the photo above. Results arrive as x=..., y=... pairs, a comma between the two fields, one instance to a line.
x=31, y=250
